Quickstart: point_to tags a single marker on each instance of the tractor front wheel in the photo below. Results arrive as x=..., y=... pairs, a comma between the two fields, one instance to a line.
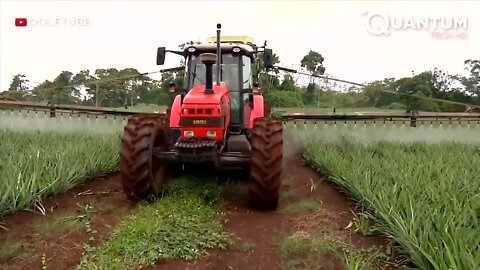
x=142, y=175
x=266, y=164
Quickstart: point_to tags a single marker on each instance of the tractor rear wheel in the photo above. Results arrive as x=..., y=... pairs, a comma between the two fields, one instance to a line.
x=266, y=164
x=142, y=175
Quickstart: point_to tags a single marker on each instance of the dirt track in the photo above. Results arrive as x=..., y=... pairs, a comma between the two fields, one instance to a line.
x=262, y=231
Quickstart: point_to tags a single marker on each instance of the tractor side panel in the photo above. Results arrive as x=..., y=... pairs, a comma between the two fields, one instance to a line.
x=175, y=112
x=258, y=109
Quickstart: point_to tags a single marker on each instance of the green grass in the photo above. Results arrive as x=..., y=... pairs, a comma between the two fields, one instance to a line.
x=306, y=205
x=354, y=259
x=319, y=251
x=42, y=156
x=37, y=164
x=364, y=223
x=300, y=253
x=426, y=196
x=8, y=251
x=183, y=224
x=48, y=227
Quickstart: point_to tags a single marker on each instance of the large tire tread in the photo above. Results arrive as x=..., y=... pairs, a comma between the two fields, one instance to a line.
x=266, y=164
x=141, y=178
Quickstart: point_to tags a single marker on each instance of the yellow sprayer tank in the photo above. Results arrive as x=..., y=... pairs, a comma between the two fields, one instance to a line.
x=232, y=39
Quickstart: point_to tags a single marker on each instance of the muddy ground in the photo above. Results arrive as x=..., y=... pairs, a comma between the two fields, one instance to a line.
x=259, y=234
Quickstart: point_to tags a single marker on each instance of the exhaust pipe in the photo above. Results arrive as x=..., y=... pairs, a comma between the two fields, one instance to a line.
x=219, y=54
x=208, y=59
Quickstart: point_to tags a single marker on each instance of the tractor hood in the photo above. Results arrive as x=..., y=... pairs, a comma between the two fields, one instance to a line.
x=197, y=95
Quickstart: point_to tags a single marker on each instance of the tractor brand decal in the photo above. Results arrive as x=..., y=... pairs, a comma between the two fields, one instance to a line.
x=203, y=121
x=200, y=122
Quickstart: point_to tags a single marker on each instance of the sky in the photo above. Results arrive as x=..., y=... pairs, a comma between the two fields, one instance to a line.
x=119, y=34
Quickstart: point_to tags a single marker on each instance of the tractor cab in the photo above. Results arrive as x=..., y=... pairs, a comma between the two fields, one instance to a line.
x=217, y=97
x=234, y=71
x=229, y=74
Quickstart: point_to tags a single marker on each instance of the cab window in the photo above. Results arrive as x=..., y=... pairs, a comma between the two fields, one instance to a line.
x=229, y=71
x=247, y=72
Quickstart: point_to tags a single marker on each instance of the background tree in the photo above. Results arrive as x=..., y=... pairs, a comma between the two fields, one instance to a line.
x=288, y=83
x=373, y=96
x=110, y=87
x=313, y=63
x=18, y=88
x=43, y=92
x=19, y=83
x=64, y=91
x=472, y=81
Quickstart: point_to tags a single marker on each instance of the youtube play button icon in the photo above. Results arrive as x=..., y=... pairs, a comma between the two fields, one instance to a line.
x=21, y=22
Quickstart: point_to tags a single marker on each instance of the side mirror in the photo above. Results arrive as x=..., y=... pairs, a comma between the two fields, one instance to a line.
x=161, y=55
x=172, y=88
x=268, y=58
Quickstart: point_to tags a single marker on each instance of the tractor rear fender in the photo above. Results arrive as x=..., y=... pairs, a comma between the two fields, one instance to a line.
x=175, y=112
x=257, y=111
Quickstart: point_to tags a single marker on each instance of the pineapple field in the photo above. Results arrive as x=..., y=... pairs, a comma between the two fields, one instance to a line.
x=376, y=195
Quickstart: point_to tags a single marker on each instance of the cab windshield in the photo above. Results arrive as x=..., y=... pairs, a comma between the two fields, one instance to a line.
x=229, y=74
x=229, y=71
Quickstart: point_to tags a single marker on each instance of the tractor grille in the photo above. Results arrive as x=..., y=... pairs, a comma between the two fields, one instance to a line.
x=195, y=143
x=197, y=150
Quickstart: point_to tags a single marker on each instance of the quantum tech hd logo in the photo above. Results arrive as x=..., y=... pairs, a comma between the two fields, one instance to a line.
x=440, y=27
x=52, y=22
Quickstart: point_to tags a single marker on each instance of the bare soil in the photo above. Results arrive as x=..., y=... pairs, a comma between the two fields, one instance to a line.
x=65, y=250
x=258, y=234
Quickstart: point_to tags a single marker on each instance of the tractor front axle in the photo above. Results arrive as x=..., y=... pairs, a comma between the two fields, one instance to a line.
x=221, y=159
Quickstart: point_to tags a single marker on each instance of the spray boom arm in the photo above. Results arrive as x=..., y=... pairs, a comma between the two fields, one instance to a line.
x=364, y=85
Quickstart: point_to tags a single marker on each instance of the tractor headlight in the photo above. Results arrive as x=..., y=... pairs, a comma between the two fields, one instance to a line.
x=188, y=133
x=216, y=111
x=211, y=133
x=191, y=49
x=236, y=49
x=185, y=111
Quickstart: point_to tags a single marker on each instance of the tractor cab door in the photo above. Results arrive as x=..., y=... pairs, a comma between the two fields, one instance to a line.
x=247, y=86
x=239, y=79
x=230, y=75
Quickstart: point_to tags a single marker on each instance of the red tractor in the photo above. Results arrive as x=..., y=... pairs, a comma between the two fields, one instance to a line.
x=218, y=120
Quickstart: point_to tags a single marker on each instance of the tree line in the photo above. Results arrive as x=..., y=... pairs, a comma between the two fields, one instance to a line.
x=128, y=87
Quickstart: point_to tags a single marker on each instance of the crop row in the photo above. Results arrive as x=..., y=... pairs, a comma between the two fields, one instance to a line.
x=65, y=122
x=36, y=164
x=425, y=196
